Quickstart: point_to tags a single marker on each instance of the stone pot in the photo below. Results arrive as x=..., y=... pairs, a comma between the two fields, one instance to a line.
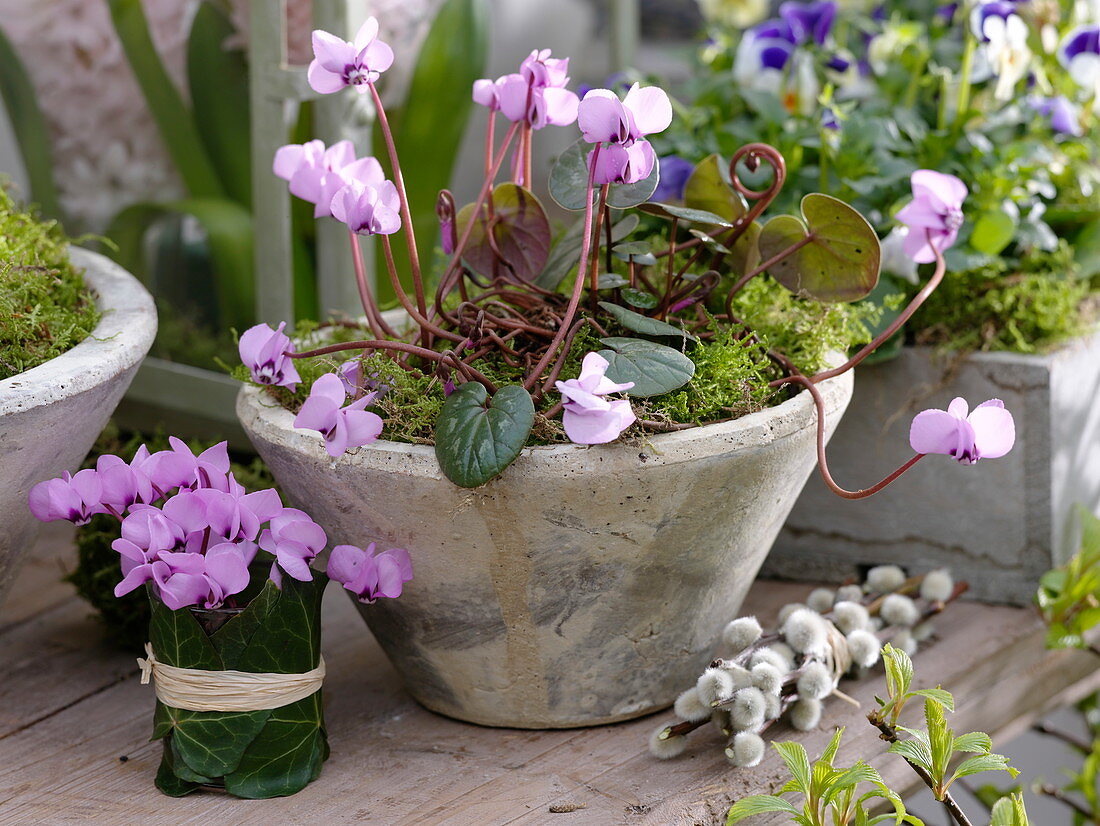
x=51, y=415
x=999, y=524
x=581, y=587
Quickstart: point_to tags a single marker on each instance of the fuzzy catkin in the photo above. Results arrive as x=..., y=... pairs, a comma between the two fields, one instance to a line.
x=787, y=610
x=864, y=647
x=905, y=641
x=885, y=578
x=689, y=706
x=771, y=657
x=849, y=593
x=937, y=586
x=820, y=600
x=898, y=609
x=714, y=685
x=742, y=677
x=747, y=709
x=815, y=682
x=665, y=748
x=848, y=616
x=773, y=706
x=745, y=749
x=806, y=714
x=923, y=631
x=742, y=632
x=767, y=678
x=805, y=632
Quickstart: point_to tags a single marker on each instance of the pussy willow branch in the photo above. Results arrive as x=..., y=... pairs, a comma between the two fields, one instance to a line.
x=890, y=735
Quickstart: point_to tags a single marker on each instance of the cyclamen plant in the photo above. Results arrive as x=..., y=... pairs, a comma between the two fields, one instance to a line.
x=497, y=298
x=192, y=532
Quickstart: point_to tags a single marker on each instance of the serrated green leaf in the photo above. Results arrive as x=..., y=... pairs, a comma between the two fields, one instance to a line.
x=983, y=763
x=654, y=368
x=914, y=751
x=939, y=695
x=798, y=763
x=520, y=232
x=840, y=262
x=756, y=805
x=475, y=443
x=643, y=324
x=1009, y=811
x=569, y=182
x=976, y=742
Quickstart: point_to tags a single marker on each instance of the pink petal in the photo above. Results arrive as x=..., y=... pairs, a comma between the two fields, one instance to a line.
x=485, y=93
x=295, y=566
x=363, y=427
x=640, y=160
x=377, y=57
x=390, y=579
x=512, y=91
x=252, y=343
x=367, y=32
x=401, y=559
x=322, y=81
x=916, y=246
x=596, y=427
x=365, y=170
x=651, y=108
x=264, y=503
x=226, y=565
x=958, y=407
x=136, y=577
x=600, y=116
x=994, y=429
x=332, y=53
x=561, y=106
x=330, y=388
x=344, y=563
x=336, y=440
x=920, y=213
x=287, y=160
x=948, y=189
x=934, y=431
x=339, y=155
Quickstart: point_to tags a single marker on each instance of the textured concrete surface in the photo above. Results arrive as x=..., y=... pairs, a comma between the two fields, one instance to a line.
x=1000, y=523
x=580, y=586
x=51, y=415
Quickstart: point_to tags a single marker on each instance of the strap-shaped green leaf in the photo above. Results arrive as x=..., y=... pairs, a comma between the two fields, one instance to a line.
x=474, y=442
x=643, y=324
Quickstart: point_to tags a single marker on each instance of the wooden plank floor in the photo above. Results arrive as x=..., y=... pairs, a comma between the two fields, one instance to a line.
x=75, y=723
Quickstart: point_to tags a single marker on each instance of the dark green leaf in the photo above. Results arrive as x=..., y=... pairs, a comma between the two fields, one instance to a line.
x=611, y=281
x=29, y=126
x=569, y=182
x=639, y=298
x=475, y=443
x=179, y=640
x=643, y=324
x=841, y=260
x=429, y=125
x=167, y=780
x=520, y=230
x=286, y=756
x=173, y=119
x=683, y=213
x=1086, y=249
x=218, y=79
x=211, y=743
x=654, y=368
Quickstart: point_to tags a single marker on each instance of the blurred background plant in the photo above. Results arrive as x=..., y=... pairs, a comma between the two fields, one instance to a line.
x=857, y=96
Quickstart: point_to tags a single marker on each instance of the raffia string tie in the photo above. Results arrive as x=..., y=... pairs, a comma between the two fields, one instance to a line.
x=197, y=690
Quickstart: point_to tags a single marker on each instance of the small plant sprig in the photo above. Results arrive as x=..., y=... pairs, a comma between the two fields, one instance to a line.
x=831, y=795
x=793, y=670
x=1069, y=597
x=932, y=751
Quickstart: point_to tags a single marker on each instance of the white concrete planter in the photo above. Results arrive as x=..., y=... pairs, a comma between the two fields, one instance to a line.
x=579, y=588
x=51, y=415
x=1000, y=523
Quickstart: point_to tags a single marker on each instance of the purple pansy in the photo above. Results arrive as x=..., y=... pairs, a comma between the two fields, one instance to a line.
x=987, y=432
x=342, y=427
x=934, y=216
x=623, y=125
x=369, y=575
x=809, y=21
x=338, y=63
x=367, y=209
x=1079, y=53
x=675, y=172
x=315, y=174
x=263, y=351
x=1063, y=114
x=1002, y=9
x=588, y=417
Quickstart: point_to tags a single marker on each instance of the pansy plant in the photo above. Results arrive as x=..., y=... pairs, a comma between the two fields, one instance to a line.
x=507, y=292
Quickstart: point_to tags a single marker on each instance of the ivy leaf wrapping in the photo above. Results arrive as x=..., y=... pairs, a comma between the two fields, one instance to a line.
x=254, y=754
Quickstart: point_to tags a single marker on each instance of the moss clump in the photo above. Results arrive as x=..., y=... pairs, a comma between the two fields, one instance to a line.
x=1023, y=307
x=44, y=307
x=126, y=619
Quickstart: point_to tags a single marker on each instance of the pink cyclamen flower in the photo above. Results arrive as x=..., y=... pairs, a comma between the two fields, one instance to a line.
x=342, y=427
x=295, y=540
x=535, y=95
x=74, y=498
x=316, y=174
x=589, y=418
x=368, y=210
x=369, y=575
x=934, y=216
x=338, y=63
x=623, y=125
x=263, y=351
x=988, y=432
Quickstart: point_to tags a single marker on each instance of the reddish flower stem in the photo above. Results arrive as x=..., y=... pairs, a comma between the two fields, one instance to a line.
x=377, y=324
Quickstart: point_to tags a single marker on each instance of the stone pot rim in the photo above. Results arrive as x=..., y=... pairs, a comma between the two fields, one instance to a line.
x=120, y=339
x=753, y=431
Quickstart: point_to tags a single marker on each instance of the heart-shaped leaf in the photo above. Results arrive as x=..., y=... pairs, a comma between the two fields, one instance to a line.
x=474, y=443
x=611, y=281
x=569, y=181
x=708, y=189
x=643, y=324
x=840, y=254
x=683, y=213
x=654, y=368
x=521, y=233
x=639, y=298
x=708, y=242
x=563, y=257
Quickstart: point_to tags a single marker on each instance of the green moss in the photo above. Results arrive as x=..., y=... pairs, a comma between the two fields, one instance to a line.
x=125, y=619
x=44, y=307
x=1023, y=307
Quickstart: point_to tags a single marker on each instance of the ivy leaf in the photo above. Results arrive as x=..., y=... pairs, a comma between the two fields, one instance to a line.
x=520, y=231
x=839, y=262
x=286, y=756
x=211, y=743
x=475, y=443
x=167, y=780
x=654, y=368
x=179, y=640
x=643, y=324
x=569, y=182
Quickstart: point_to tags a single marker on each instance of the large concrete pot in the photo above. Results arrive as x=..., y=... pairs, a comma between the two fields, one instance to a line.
x=580, y=587
x=999, y=524
x=51, y=415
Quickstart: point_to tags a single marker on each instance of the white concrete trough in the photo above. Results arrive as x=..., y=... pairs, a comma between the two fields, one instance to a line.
x=998, y=524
